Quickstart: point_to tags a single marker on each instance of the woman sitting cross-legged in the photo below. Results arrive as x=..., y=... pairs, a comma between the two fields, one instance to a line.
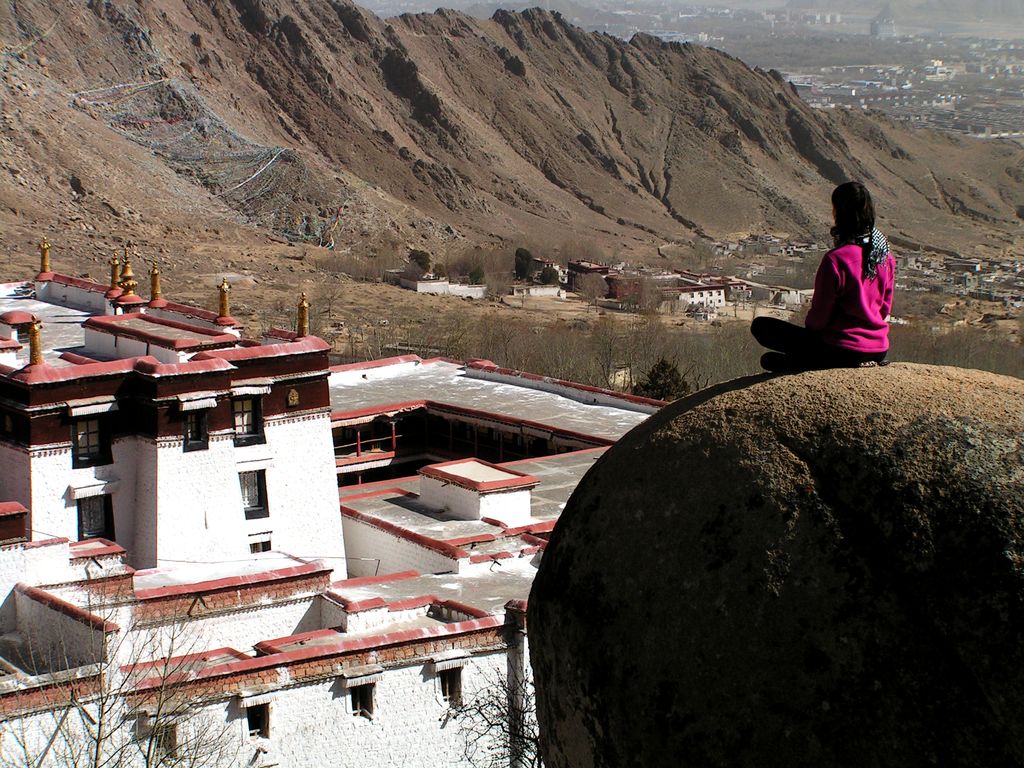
x=846, y=325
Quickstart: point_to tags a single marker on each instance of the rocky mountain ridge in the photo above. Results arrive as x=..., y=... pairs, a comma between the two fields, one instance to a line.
x=320, y=121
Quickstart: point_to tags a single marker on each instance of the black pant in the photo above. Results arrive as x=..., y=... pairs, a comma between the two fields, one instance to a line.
x=798, y=349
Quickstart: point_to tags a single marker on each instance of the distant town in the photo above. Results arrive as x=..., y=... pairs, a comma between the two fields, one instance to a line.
x=726, y=276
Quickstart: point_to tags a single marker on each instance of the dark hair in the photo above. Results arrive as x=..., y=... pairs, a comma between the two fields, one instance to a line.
x=855, y=213
x=855, y=220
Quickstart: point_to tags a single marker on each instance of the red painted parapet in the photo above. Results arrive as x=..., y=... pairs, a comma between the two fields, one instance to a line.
x=234, y=582
x=68, y=609
x=327, y=655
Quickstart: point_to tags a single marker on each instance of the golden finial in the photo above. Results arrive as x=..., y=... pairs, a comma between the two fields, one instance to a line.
x=128, y=282
x=35, y=343
x=154, y=282
x=44, y=255
x=302, y=322
x=115, y=272
x=225, y=307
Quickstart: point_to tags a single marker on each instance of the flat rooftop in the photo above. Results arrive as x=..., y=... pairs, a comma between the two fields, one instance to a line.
x=62, y=326
x=451, y=383
x=488, y=590
x=478, y=471
x=330, y=637
x=163, y=333
x=199, y=575
x=397, y=501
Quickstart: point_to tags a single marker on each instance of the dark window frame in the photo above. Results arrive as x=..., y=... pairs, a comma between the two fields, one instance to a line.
x=92, y=456
x=200, y=439
x=257, y=720
x=450, y=681
x=256, y=547
x=262, y=508
x=165, y=739
x=361, y=698
x=107, y=532
x=253, y=435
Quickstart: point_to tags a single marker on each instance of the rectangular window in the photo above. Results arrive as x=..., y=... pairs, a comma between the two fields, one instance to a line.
x=197, y=437
x=259, y=546
x=258, y=719
x=451, y=686
x=248, y=420
x=165, y=740
x=90, y=444
x=362, y=700
x=96, y=518
x=254, y=493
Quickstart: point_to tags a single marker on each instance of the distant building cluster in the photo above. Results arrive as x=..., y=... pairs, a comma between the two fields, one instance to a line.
x=995, y=279
x=701, y=295
x=974, y=88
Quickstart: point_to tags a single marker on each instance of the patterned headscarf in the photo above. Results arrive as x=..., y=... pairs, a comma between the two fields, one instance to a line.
x=877, y=255
x=875, y=247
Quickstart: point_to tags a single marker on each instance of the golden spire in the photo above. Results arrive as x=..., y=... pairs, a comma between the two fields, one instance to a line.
x=154, y=282
x=128, y=282
x=302, y=322
x=115, y=272
x=35, y=343
x=225, y=307
x=44, y=255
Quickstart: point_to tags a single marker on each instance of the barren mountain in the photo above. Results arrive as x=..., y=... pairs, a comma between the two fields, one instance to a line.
x=194, y=125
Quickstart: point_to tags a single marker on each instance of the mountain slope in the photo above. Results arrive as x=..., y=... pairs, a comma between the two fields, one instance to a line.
x=317, y=119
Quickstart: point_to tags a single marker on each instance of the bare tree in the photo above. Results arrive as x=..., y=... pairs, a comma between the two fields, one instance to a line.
x=327, y=295
x=649, y=295
x=499, y=283
x=592, y=287
x=499, y=338
x=457, y=332
x=122, y=710
x=499, y=725
x=606, y=342
x=645, y=343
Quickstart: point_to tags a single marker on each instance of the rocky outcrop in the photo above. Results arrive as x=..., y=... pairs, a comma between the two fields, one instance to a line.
x=815, y=570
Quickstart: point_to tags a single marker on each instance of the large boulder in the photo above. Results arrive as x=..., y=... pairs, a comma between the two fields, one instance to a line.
x=816, y=570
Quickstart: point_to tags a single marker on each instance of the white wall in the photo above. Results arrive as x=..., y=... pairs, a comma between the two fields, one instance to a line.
x=366, y=544
x=58, y=641
x=70, y=296
x=312, y=725
x=172, y=506
x=444, y=288
x=302, y=490
x=54, y=511
x=102, y=344
x=190, y=504
x=467, y=504
x=33, y=565
x=239, y=629
x=199, y=515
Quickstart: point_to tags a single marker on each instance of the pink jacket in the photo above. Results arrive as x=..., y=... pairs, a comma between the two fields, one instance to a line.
x=847, y=310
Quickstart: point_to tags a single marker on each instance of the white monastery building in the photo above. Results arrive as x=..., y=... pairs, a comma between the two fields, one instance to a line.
x=217, y=551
